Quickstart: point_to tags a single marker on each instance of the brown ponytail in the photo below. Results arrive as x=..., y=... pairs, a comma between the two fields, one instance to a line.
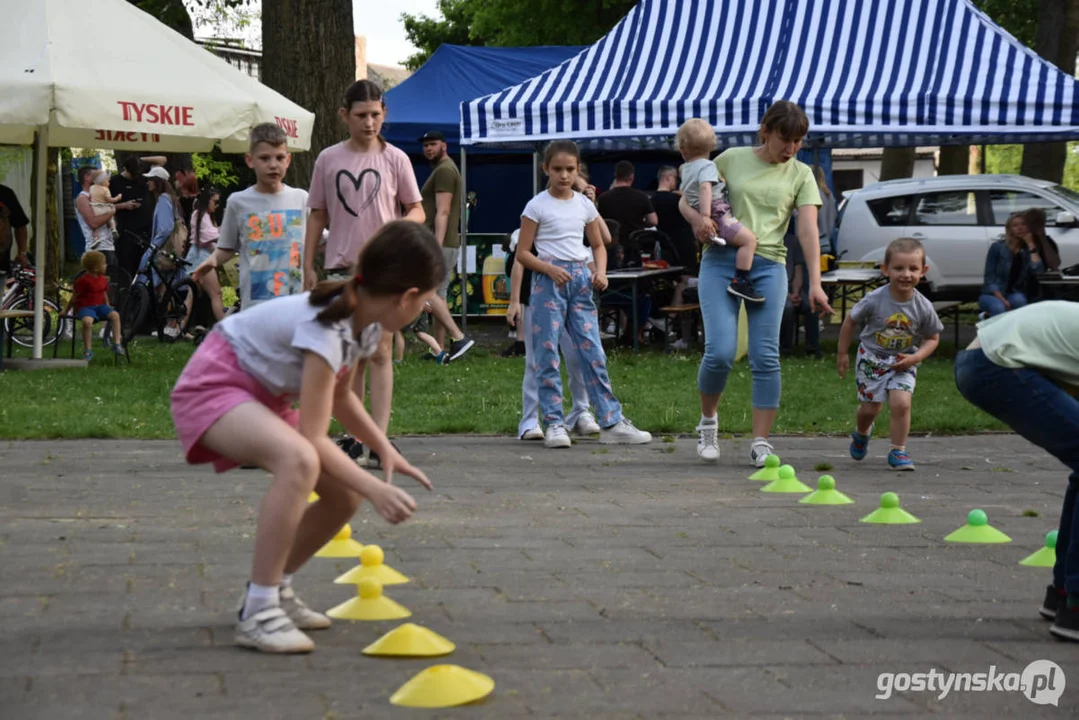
x=364, y=91
x=402, y=255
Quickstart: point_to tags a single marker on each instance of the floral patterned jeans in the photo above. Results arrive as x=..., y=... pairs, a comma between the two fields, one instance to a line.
x=571, y=306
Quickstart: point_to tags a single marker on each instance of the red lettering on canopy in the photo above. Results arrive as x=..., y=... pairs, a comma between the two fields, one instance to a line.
x=157, y=114
x=291, y=127
x=125, y=136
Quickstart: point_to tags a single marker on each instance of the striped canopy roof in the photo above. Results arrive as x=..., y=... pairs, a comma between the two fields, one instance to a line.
x=868, y=74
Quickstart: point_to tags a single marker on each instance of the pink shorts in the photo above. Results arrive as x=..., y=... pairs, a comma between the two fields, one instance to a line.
x=211, y=384
x=726, y=223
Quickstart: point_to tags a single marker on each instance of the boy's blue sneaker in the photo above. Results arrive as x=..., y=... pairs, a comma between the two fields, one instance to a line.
x=443, y=358
x=900, y=460
x=87, y=355
x=859, y=444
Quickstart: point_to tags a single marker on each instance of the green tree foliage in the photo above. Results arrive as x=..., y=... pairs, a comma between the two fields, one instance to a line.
x=511, y=23
x=1018, y=17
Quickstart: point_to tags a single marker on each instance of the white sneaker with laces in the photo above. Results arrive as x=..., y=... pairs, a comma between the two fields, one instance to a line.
x=300, y=614
x=586, y=425
x=271, y=631
x=759, y=450
x=532, y=433
x=708, y=442
x=624, y=433
x=557, y=437
x=680, y=345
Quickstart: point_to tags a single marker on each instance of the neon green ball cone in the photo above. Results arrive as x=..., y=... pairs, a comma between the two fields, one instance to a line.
x=826, y=494
x=977, y=530
x=889, y=512
x=1046, y=557
x=770, y=471
x=787, y=482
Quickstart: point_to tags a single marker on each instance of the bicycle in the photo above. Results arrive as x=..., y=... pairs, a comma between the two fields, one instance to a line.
x=166, y=303
x=19, y=295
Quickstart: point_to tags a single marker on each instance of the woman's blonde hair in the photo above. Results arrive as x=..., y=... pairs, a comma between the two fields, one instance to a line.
x=822, y=182
x=696, y=137
x=1014, y=241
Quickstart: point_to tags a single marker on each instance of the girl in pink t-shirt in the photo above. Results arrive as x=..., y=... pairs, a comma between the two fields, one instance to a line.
x=357, y=186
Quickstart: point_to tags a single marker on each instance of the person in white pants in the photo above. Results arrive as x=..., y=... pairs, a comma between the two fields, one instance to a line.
x=580, y=417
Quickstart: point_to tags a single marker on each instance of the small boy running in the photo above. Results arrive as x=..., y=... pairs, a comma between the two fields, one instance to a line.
x=898, y=329
x=264, y=224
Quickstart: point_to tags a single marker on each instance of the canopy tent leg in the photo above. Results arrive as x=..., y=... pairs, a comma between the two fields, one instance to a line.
x=462, y=257
x=536, y=170
x=41, y=168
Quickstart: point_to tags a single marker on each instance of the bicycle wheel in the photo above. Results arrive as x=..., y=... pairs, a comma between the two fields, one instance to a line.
x=172, y=310
x=21, y=330
x=134, y=311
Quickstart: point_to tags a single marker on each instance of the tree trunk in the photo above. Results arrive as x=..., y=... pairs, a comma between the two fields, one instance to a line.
x=1056, y=41
x=897, y=163
x=308, y=55
x=954, y=160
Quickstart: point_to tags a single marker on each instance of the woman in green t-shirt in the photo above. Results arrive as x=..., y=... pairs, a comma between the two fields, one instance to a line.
x=766, y=184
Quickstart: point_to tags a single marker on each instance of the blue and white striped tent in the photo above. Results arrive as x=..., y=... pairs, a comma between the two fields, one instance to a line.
x=868, y=74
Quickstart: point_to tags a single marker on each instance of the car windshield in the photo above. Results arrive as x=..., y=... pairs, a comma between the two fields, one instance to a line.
x=1066, y=192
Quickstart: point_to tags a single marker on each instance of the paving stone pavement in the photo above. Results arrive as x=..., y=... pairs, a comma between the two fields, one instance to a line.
x=594, y=582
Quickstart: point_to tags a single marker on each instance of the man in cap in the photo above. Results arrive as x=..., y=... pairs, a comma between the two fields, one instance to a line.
x=441, y=196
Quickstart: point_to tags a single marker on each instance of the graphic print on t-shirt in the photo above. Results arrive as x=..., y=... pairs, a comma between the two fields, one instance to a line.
x=361, y=195
x=897, y=334
x=274, y=240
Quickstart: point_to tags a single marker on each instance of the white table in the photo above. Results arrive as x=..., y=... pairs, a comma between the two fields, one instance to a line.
x=851, y=280
x=634, y=276
x=1060, y=287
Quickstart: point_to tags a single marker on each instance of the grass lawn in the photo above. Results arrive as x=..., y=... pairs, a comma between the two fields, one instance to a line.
x=480, y=394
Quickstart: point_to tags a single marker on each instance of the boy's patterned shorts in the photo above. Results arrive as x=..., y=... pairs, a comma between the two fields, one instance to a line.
x=875, y=376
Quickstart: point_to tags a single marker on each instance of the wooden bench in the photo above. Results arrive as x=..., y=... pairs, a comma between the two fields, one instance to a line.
x=949, y=307
x=670, y=313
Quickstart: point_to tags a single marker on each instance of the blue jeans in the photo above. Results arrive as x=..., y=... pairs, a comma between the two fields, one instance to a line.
x=991, y=304
x=572, y=308
x=530, y=384
x=720, y=312
x=1044, y=414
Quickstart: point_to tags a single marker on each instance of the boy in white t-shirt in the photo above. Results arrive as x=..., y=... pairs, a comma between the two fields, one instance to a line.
x=264, y=224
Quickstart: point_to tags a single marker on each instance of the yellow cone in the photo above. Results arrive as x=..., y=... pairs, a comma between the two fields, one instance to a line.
x=342, y=545
x=410, y=640
x=371, y=565
x=443, y=686
x=770, y=471
x=369, y=604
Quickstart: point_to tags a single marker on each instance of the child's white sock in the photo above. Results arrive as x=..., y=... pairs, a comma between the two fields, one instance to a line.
x=258, y=598
x=286, y=580
x=705, y=420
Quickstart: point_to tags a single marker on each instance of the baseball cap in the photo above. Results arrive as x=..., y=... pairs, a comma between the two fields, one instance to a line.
x=431, y=135
x=157, y=172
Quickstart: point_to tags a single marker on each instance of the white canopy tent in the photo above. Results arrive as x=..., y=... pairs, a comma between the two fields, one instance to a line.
x=152, y=89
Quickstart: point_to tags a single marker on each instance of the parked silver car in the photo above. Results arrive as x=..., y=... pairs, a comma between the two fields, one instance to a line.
x=956, y=217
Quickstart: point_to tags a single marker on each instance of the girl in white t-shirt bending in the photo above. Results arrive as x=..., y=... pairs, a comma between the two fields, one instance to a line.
x=233, y=406
x=553, y=226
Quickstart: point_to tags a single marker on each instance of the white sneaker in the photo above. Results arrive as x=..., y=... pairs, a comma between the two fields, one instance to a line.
x=586, y=425
x=759, y=450
x=680, y=345
x=532, y=433
x=301, y=616
x=271, y=631
x=557, y=437
x=708, y=442
x=624, y=433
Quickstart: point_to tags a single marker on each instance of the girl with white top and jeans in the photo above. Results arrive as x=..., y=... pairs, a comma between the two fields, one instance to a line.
x=553, y=225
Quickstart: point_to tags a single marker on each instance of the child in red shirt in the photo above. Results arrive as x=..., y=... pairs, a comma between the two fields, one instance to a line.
x=91, y=302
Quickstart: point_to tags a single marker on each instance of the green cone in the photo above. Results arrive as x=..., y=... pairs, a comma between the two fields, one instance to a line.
x=787, y=482
x=770, y=471
x=889, y=512
x=1046, y=557
x=977, y=530
x=826, y=494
